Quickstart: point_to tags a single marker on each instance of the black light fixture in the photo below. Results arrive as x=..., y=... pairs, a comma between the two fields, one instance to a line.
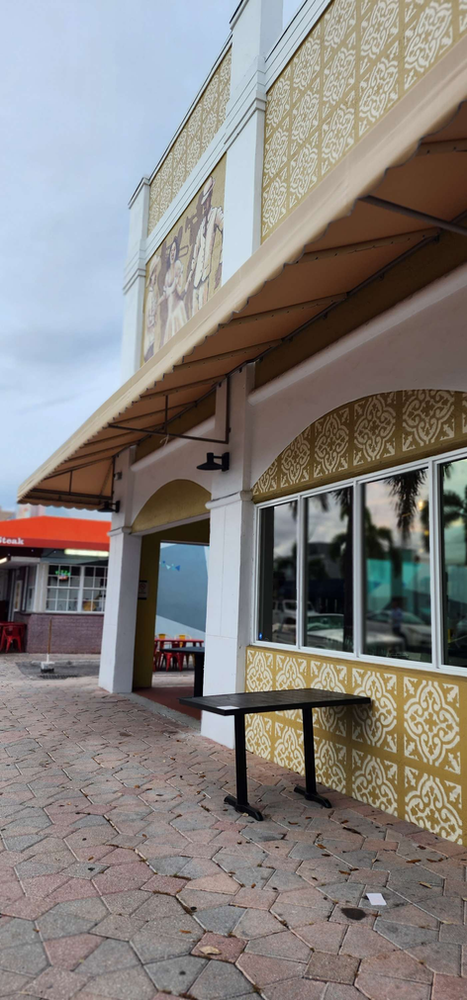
x=215, y=463
x=110, y=507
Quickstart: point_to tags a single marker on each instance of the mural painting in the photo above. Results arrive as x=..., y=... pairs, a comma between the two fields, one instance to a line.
x=186, y=269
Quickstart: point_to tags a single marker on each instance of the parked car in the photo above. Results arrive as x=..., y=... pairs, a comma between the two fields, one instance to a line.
x=414, y=632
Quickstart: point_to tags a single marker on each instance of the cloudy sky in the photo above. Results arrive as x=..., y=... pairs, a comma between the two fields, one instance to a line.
x=91, y=93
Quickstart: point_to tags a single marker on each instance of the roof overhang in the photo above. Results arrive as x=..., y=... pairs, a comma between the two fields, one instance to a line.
x=398, y=189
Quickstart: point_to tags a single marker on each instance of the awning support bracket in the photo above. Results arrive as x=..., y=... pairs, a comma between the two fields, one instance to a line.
x=165, y=433
x=431, y=220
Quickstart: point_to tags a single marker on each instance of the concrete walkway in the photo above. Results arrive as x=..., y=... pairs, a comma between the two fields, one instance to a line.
x=123, y=874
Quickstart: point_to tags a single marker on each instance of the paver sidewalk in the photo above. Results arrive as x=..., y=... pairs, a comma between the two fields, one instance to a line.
x=123, y=874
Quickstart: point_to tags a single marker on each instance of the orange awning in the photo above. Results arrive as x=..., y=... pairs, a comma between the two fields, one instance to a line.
x=55, y=533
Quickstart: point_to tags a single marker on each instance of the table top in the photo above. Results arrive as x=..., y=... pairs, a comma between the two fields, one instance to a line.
x=182, y=649
x=272, y=701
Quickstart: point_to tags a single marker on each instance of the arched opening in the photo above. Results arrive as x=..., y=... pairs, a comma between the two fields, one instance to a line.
x=172, y=593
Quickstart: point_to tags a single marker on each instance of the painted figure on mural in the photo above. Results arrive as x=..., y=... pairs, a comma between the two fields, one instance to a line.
x=153, y=302
x=174, y=291
x=212, y=223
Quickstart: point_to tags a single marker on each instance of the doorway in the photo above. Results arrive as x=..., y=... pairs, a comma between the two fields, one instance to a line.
x=171, y=610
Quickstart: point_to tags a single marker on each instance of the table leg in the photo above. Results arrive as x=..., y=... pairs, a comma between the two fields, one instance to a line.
x=310, y=792
x=240, y=802
x=199, y=673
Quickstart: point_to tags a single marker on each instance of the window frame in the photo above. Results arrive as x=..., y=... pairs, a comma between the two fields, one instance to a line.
x=78, y=590
x=432, y=463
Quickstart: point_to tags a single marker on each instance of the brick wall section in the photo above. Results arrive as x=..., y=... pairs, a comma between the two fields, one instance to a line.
x=81, y=633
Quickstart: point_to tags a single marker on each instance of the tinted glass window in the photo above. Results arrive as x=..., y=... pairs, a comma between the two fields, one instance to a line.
x=454, y=564
x=329, y=570
x=397, y=567
x=278, y=574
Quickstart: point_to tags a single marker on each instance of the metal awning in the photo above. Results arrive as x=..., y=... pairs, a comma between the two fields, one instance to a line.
x=396, y=190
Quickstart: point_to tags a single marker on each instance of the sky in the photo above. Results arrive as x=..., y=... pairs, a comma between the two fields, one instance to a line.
x=91, y=91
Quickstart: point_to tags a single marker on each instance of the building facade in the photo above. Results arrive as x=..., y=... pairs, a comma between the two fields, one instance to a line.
x=294, y=296
x=53, y=578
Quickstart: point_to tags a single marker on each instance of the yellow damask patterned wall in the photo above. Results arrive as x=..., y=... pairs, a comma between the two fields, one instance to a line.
x=361, y=57
x=370, y=433
x=205, y=120
x=405, y=754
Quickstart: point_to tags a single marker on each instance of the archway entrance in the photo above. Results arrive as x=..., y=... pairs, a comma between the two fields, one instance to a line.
x=172, y=589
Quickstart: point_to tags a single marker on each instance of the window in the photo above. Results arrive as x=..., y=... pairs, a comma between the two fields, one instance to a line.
x=329, y=570
x=76, y=588
x=63, y=588
x=95, y=584
x=30, y=588
x=375, y=568
x=397, y=567
x=278, y=571
x=454, y=561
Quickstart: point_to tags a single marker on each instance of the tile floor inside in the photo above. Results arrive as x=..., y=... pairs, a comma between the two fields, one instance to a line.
x=124, y=875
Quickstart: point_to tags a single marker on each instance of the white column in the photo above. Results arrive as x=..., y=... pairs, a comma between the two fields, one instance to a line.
x=231, y=565
x=255, y=26
x=229, y=600
x=118, y=638
x=135, y=281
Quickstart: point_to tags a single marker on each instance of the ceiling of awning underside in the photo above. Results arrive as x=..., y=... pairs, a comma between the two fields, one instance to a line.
x=352, y=250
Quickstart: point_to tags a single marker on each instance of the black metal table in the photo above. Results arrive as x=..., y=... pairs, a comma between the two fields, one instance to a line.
x=253, y=702
x=197, y=652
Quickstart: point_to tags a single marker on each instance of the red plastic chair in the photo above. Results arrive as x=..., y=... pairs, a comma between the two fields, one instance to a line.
x=177, y=658
x=12, y=634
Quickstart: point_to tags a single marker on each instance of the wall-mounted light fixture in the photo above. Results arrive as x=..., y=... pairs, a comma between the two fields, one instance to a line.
x=110, y=507
x=215, y=463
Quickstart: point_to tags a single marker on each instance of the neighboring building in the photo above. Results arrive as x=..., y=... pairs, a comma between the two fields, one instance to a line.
x=53, y=577
x=7, y=515
x=295, y=295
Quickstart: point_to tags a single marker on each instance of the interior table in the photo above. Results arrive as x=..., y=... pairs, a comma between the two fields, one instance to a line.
x=197, y=652
x=254, y=702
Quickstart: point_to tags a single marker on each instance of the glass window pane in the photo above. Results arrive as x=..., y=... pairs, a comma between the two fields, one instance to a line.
x=454, y=542
x=329, y=570
x=397, y=567
x=278, y=573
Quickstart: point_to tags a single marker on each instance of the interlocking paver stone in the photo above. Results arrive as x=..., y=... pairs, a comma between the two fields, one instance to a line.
x=221, y=981
x=448, y=988
x=125, y=984
x=122, y=928
x=220, y=919
x=55, y=984
x=10, y=983
x=29, y=959
x=397, y=965
x=120, y=854
x=383, y=988
x=262, y=971
x=332, y=968
x=284, y=945
x=65, y=953
x=108, y=957
x=219, y=947
x=152, y=946
x=176, y=975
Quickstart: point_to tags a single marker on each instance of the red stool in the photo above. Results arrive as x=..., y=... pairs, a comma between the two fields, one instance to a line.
x=11, y=634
